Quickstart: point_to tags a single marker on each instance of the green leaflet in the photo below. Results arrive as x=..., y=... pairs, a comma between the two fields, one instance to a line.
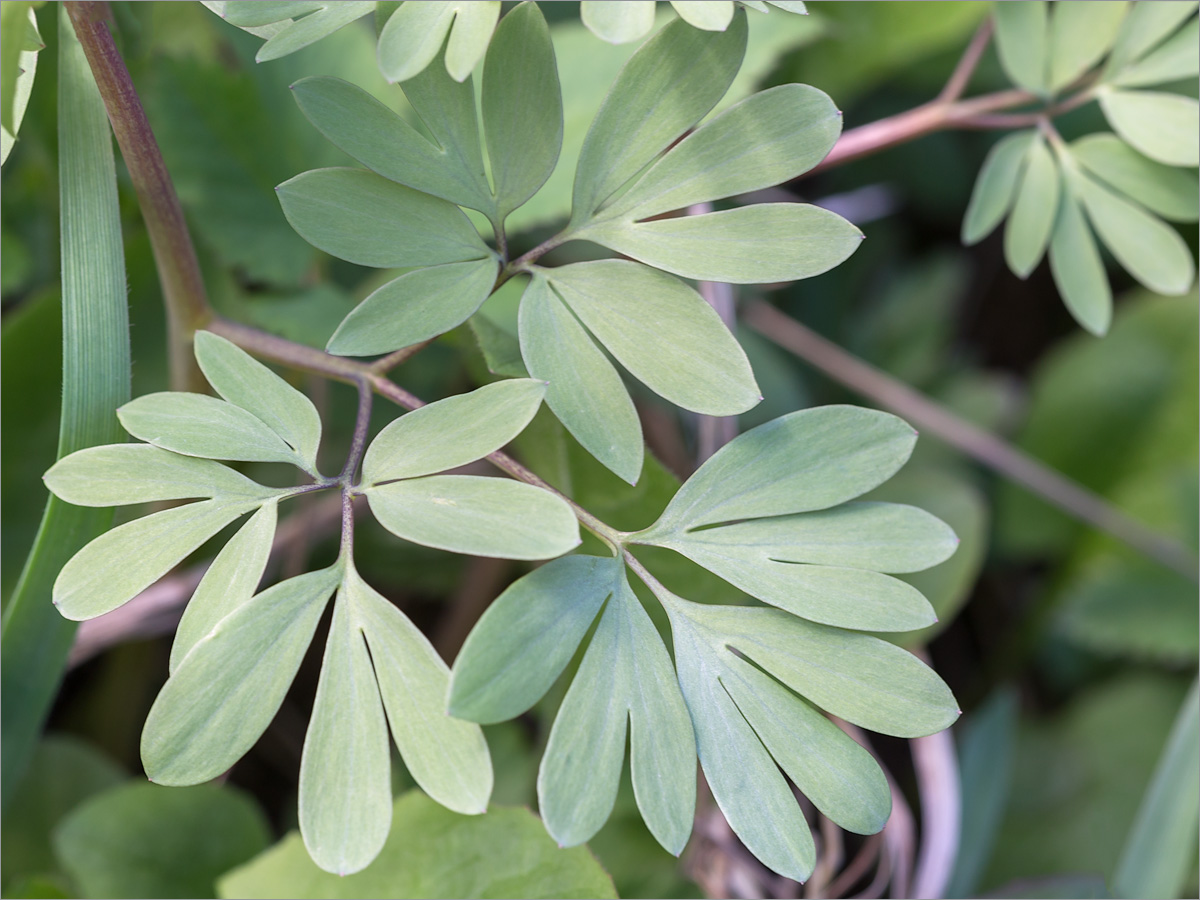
x=768, y=138
x=583, y=388
x=824, y=565
x=415, y=33
x=699, y=365
x=447, y=757
x=626, y=675
x=121, y=474
x=1027, y=233
x=345, y=770
x=1161, y=845
x=859, y=678
x=996, y=186
x=806, y=460
x=618, y=21
x=1078, y=269
x=711, y=16
x=1165, y=127
x=120, y=564
x=758, y=244
x=228, y=688
x=297, y=34
x=476, y=515
x=522, y=107
x=1176, y=59
x=415, y=307
x=1021, y=42
x=198, y=425
x=17, y=69
x=359, y=124
x=95, y=381
x=1149, y=249
x=230, y=581
x=1164, y=190
x=664, y=89
x=256, y=13
x=452, y=432
x=1145, y=27
x=364, y=218
x=527, y=636
x=1081, y=32
x=245, y=382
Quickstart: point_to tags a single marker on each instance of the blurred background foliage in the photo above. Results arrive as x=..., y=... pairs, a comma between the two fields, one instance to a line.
x=1069, y=653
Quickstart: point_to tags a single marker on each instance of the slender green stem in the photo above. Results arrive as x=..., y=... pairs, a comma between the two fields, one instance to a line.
x=175, y=257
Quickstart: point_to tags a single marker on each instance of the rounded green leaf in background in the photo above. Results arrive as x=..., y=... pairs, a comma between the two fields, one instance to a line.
x=1027, y=233
x=1165, y=190
x=1165, y=127
x=1022, y=39
x=1078, y=269
x=618, y=21
x=996, y=186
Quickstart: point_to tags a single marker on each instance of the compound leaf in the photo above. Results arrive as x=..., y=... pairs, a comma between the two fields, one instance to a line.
x=229, y=687
x=476, y=515
x=452, y=432
x=803, y=461
x=758, y=244
x=1022, y=37
x=345, y=805
x=1176, y=59
x=120, y=564
x=527, y=636
x=618, y=21
x=1164, y=190
x=198, y=425
x=583, y=388
x=446, y=756
x=996, y=186
x=1149, y=249
x=1027, y=233
x=1163, y=126
x=415, y=307
x=1080, y=34
x=1078, y=269
x=666, y=87
x=230, y=581
x=522, y=107
x=1144, y=28
x=696, y=363
x=120, y=474
x=364, y=218
x=245, y=382
x=768, y=138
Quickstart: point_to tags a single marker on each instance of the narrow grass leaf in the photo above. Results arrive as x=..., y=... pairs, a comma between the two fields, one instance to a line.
x=1165, y=127
x=473, y=26
x=412, y=37
x=364, y=218
x=476, y=515
x=345, y=805
x=1081, y=33
x=583, y=389
x=841, y=778
x=1176, y=59
x=709, y=15
x=230, y=581
x=758, y=244
x=1027, y=233
x=452, y=432
x=527, y=636
x=522, y=107
x=996, y=187
x=228, y=688
x=698, y=364
x=1147, y=247
x=310, y=29
x=121, y=474
x=768, y=138
x=1022, y=40
x=415, y=307
x=1146, y=26
x=1078, y=269
x=198, y=425
x=245, y=382
x=618, y=21
x=1164, y=190
x=120, y=564
x=446, y=756
x=665, y=88
x=806, y=460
